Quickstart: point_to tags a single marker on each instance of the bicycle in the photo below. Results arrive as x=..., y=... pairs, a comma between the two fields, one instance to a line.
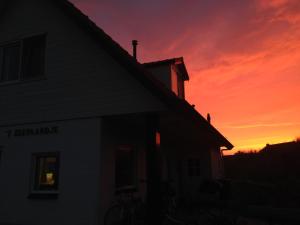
x=171, y=211
x=129, y=210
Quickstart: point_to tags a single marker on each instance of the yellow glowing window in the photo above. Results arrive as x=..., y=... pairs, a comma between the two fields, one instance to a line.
x=46, y=172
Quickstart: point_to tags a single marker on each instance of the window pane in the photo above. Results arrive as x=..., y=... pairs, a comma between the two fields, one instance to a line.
x=33, y=59
x=46, y=174
x=10, y=63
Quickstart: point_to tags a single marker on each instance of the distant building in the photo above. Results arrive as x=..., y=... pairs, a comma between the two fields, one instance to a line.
x=274, y=163
x=284, y=148
x=82, y=121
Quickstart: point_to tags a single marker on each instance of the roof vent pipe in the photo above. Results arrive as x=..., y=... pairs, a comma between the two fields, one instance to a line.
x=208, y=118
x=134, y=46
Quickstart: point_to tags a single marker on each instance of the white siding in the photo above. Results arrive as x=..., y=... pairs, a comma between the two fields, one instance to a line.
x=216, y=163
x=81, y=78
x=78, y=142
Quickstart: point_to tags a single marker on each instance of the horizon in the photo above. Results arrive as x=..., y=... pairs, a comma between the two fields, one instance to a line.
x=242, y=58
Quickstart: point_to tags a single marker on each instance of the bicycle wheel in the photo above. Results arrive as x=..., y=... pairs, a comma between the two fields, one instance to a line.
x=114, y=215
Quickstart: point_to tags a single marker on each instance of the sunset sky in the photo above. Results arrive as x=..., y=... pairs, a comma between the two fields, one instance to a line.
x=243, y=57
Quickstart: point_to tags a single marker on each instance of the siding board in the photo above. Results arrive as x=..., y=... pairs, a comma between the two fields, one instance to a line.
x=80, y=77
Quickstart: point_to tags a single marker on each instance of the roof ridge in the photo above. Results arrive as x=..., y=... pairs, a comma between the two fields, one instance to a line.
x=164, y=60
x=140, y=73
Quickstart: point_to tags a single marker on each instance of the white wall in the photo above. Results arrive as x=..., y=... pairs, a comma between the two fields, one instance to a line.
x=78, y=142
x=217, y=168
x=81, y=78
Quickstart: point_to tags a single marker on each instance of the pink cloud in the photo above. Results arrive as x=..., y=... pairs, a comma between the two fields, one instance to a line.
x=243, y=56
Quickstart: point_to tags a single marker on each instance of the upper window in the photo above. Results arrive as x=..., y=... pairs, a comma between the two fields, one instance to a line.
x=125, y=167
x=23, y=59
x=45, y=172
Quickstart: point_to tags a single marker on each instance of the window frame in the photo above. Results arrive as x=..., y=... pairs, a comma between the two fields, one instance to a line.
x=2, y=47
x=20, y=41
x=39, y=193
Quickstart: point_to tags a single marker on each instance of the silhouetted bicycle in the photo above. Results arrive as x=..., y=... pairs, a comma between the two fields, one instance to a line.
x=129, y=210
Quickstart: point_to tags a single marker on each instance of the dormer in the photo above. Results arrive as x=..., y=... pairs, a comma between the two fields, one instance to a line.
x=171, y=72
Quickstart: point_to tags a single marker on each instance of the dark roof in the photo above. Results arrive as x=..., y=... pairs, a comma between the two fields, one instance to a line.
x=137, y=70
x=282, y=147
x=164, y=62
x=175, y=61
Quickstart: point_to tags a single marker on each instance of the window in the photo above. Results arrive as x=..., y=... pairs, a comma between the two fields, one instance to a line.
x=125, y=167
x=10, y=67
x=33, y=57
x=45, y=172
x=194, y=169
x=23, y=59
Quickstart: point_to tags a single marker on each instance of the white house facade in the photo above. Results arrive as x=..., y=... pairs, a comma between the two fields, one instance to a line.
x=81, y=120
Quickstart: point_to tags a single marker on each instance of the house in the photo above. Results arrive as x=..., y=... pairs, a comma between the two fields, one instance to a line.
x=281, y=161
x=82, y=121
x=275, y=163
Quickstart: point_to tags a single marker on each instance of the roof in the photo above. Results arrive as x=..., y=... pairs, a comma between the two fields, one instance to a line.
x=285, y=146
x=136, y=69
x=174, y=61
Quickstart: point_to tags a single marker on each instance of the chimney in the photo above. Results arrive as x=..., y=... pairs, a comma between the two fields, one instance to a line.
x=208, y=117
x=134, y=46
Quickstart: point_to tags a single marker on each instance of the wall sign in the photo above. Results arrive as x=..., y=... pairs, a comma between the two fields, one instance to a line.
x=32, y=131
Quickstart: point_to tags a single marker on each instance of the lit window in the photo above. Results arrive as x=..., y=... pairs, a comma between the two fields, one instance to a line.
x=46, y=168
x=125, y=167
x=194, y=167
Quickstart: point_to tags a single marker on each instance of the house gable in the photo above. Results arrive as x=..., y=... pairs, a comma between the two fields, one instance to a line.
x=81, y=78
x=87, y=106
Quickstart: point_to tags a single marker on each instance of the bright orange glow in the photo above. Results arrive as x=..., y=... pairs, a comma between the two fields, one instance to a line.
x=243, y=58
x=157, y=139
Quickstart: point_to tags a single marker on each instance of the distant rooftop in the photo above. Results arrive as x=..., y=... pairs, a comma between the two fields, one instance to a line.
x=285, y=146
